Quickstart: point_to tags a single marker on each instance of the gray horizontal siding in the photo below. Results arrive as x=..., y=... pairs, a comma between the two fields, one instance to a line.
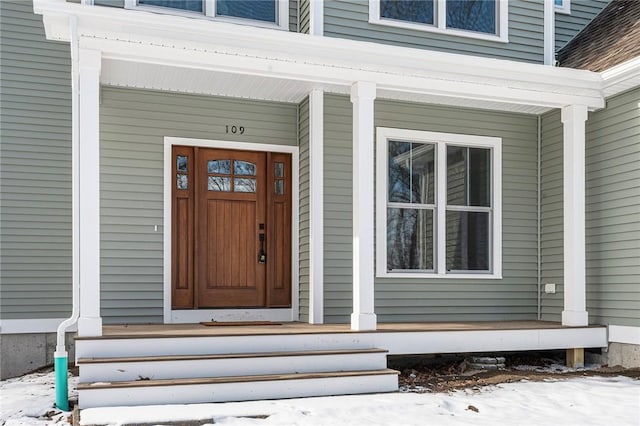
x=513, y=297
x=304, y=209
x=350, y=19
x=582, y=12
x=35, y=162
x=133, y=126
x=612, y=212
x=305, y=16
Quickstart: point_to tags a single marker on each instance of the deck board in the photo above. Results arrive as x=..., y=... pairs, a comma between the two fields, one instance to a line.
x=198, y=330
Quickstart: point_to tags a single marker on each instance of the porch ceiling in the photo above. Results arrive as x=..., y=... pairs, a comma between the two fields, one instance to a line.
x=143, y=75
x=141, y=49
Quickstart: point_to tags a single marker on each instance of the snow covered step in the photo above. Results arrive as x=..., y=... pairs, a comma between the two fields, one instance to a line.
x=223, y=365
x=235, y=388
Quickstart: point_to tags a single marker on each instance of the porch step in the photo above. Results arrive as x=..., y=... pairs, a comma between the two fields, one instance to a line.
x=111, y=369
x=236, y=388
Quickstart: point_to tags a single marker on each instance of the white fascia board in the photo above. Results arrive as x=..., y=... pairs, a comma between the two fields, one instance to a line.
x=622, y=77
x=318, y=59
x=624, y=334
x=27, y=326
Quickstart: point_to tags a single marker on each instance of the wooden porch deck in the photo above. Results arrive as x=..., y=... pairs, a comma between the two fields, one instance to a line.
x=292, y=328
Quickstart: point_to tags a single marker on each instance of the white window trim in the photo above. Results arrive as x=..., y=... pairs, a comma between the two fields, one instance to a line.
x=383, y=135
x=282, y=16
x=564, y=9
x=502, y=22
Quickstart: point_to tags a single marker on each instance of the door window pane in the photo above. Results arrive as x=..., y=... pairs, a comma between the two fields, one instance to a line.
x=420, y=11
x=472, y=15
x=278, y=169
x=244, y=168
x=279, y=187
x=259, y=10
x=467, y=241
x=244, y=185
x=182, y=163
x=409, y=239
x=182, y=182
x=190, y=5
x=222, y=167
x=468, y=176
x=411, y=173
x=219, y=184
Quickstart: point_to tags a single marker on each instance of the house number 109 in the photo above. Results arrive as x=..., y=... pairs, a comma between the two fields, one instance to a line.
x=235, y=129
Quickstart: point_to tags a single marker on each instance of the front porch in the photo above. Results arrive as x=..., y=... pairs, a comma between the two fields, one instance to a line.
x=179, y=363
x=195, y=85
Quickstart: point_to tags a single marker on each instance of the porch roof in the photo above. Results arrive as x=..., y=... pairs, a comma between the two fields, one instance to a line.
x=149, y=50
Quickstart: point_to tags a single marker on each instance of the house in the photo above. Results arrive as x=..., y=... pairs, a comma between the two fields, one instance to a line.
x=350, y=177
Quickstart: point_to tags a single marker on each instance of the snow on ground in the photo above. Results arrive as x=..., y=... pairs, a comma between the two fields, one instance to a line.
x=574, y=401
x=29, y=400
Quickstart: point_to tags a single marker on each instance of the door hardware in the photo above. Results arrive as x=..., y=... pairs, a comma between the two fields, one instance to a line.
x=262, y=256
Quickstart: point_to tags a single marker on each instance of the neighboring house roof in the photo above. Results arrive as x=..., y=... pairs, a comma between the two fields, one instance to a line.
x=609, y=39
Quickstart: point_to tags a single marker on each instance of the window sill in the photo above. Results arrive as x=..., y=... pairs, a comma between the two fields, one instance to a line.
x=434, y=276
x=498, y=38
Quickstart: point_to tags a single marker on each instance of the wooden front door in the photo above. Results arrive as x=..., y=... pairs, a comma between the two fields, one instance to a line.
x=231, y=229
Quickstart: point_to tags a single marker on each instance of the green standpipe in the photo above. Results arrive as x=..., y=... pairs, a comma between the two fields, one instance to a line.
x=62, y=385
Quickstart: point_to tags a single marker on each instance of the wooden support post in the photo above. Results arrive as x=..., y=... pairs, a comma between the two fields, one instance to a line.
x=575, y=358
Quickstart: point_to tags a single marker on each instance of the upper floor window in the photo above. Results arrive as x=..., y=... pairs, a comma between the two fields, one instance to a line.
x=562, y=6
x=483, y=19
x=269, y=13
x=439, y=208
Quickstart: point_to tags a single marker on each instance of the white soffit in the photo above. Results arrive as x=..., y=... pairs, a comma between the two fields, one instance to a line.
x=203, y=82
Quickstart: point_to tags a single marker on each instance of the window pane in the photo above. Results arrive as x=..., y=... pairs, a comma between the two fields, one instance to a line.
x=409, y=239
x=182, y=163
x=191, y=5
x=468, y=176
x=411, y=172
x=219, y=166
x=220, y=184
x=408, y=10
x=467, y=241
x=558, y=2
x=278, y=169
x=244, y=185
x=182, y=182
x=244, y=168
x=472, y=15
x=279, y=187
x=259, y=10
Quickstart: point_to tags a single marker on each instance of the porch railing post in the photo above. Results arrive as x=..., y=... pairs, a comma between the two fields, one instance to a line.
x=573, y=120
x=363, y=95
x=90, y=322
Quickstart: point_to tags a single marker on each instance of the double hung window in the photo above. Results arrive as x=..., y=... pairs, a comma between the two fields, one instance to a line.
x=484, y=19
x=272, y=13
x=438, y=204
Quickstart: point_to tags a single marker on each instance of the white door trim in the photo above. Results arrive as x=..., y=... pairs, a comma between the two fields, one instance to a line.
x=197, y=315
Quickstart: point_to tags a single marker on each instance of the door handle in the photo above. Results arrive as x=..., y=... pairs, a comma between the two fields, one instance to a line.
x=262, y=256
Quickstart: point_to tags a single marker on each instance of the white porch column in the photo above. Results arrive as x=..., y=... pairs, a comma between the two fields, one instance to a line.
x=573, y=120
x=90, y=322
x=363, y=317
x=316, y=207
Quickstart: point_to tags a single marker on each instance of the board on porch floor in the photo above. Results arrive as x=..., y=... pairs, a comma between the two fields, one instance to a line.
x=184, y=330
